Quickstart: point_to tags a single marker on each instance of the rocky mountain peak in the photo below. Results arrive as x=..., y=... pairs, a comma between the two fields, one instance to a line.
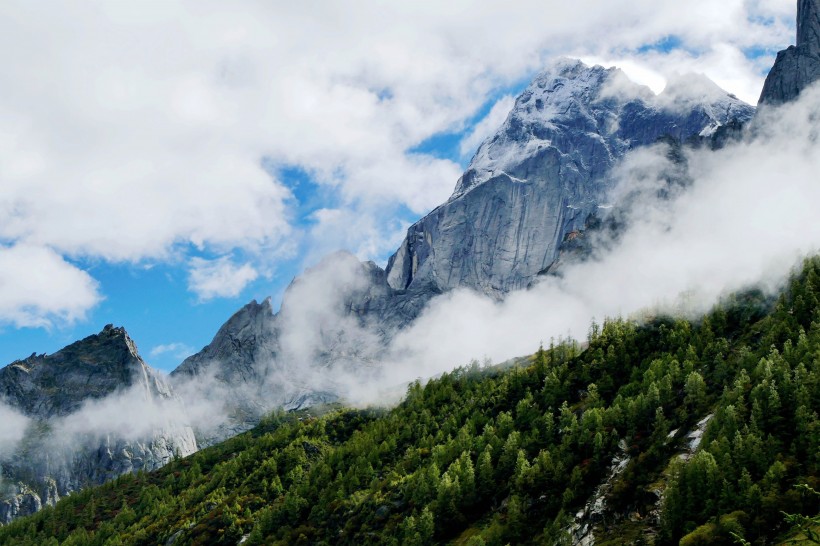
x=60, y=389
x=573, y=107
x=559, y=95
x=238, y=343
x=546, y=170
x=54, y=385
x=797, y=67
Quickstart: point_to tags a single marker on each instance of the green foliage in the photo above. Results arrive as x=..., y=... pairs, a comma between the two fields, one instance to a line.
x=491, y=456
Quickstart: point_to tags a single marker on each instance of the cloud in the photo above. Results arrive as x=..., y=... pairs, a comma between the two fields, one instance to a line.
x=134, y=134
x=746, y=220
x=178, y=350
x=13, y=426
x=39, y=288
x=219, y=278
x=723, y=63
x=487, y=126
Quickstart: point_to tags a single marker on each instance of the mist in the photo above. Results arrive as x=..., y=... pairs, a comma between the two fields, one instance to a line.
x=13, y=425
x=731, y=219
x=745, y=219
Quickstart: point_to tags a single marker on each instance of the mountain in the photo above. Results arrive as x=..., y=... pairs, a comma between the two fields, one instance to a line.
x=66, y=397
x=798, y=66
x=668, y=432
x=546, y=172
x=526, y=200
x=542, y=179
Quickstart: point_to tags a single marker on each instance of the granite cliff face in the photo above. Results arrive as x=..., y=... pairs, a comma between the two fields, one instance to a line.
x=546, y=172
x=798, y=66
x=530, y=187
x=66, y=445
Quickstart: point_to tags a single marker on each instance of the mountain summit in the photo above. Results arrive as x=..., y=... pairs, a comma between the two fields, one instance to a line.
x=95, y=411
x=56, y=385
x=545, y=172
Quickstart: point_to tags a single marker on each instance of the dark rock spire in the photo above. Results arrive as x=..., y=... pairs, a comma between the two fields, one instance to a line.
x=797, y=67
x=808, y=26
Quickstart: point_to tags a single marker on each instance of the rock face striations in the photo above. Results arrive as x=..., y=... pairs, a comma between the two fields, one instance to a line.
x=798, y=66
x=533, y=184
x=94, y=410
x=546, y=172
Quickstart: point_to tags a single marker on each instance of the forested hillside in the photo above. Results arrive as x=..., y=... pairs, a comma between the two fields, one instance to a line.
x=492, y=456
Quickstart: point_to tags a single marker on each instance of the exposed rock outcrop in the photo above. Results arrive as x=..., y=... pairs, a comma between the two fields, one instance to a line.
x=95, y=411
x=546, y=171
x=249, y=335
x=797, y=67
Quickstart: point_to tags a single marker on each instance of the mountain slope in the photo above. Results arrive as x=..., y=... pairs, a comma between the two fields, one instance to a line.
x=68, y=398
x=492, y=456
x=537, y=181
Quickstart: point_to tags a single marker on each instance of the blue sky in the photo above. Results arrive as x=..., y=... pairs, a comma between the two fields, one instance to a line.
x=160, y=167
x=153, y=301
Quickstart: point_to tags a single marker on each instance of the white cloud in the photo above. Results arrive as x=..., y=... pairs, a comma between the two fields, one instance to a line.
x=12, y=429
x=725, y=64
x=176, y=349
x=210, y=279
x=39, y=288
x=487, y=126
x=747, y=218
x=131, y=132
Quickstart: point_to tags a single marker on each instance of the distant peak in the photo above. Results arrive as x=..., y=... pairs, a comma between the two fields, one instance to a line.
x=111, y=330
x=92, y=367
x=565, y=67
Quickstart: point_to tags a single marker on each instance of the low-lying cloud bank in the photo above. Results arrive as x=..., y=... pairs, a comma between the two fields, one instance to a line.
x=744, y=217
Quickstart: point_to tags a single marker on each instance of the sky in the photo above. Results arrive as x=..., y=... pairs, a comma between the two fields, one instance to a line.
x=163, y=163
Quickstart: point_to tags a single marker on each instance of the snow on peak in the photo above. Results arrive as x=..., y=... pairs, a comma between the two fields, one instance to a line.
x=570, y=102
